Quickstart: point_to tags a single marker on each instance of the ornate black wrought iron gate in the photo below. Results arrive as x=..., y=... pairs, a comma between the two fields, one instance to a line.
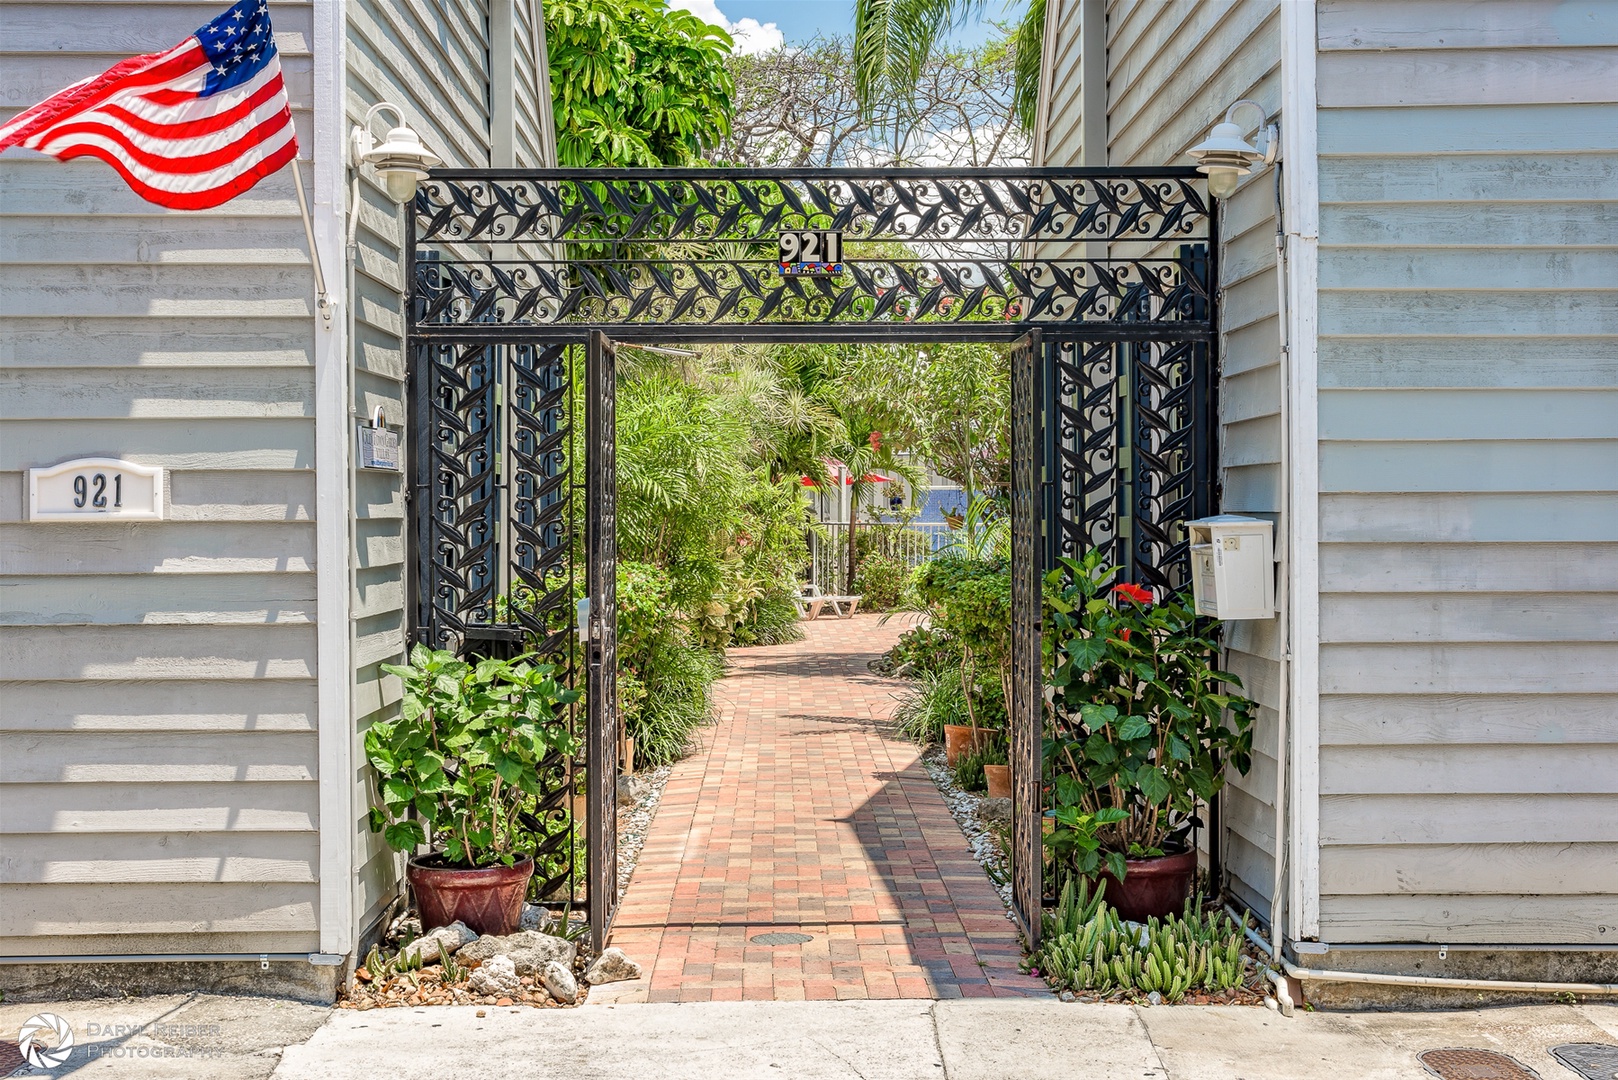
x=1104, y=276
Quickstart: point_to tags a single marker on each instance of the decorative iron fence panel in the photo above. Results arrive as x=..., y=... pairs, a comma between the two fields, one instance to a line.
x=492, y=501
x=1028, y=522
x=601, y=767
x=692, y=252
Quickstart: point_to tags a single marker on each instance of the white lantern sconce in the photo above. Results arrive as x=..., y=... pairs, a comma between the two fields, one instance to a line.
x=1226, y=156
x=402, y=161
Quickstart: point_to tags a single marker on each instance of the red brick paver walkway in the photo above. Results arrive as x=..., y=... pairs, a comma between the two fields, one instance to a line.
x=803, y=813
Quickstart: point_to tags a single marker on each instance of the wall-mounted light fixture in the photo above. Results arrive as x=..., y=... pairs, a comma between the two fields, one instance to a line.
x=401, y=160
x=1226, y=156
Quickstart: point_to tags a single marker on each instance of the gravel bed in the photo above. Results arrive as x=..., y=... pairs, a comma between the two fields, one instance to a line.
x=635, y=819
x=967, y=806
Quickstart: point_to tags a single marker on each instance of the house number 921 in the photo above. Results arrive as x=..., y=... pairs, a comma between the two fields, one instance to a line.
x=818, y=248
x=94, y=490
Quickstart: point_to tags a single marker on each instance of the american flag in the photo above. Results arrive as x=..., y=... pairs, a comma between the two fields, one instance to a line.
x=188, y=128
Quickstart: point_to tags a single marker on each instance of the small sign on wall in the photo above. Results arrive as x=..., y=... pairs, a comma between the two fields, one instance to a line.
x=96, y=489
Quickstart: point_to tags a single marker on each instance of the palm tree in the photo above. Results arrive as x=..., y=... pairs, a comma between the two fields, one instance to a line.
x=894, y=39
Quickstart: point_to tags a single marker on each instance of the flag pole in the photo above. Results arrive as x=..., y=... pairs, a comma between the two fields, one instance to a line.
x=309, y=233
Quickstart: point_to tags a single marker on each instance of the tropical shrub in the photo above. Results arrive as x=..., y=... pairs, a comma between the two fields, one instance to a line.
x=924, y=650
x=461, y=763
x=880, y=580
x=664, y=678
x=934, y=699
x=1144, y=725
x=771, y=618
x=969, y=600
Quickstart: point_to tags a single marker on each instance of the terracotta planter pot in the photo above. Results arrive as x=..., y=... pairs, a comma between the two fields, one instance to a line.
x=1152, y=887
x=957, y=743
x=999, y=779
x=487, y=900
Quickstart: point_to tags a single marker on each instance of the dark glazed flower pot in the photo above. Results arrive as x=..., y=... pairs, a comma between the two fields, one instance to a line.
x=488, y=900
x=1152, y=887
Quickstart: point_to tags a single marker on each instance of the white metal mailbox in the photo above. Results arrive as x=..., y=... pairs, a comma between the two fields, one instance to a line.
x=1232, y=567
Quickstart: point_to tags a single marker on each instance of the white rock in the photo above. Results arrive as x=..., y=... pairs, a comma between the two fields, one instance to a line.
x=439, y=943
x=559, y=980
x=611, y=966
x=498, y=975
x=1155, y=998
x=534, y=917
x=530, y=950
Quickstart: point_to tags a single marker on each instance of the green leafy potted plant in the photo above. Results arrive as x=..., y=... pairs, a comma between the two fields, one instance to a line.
x=1144, y=729
x=456, y=769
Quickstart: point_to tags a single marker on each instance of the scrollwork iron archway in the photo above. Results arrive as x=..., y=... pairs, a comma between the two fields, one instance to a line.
x=513, y=270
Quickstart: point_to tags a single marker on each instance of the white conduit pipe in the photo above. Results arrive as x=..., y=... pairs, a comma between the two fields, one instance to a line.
x=1303, y=974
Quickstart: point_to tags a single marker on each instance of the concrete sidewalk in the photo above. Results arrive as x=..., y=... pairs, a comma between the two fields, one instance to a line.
x=974, y=1039
x=203, y=1037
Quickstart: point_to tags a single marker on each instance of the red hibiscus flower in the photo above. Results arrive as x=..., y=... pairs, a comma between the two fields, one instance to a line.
x=1140, y=594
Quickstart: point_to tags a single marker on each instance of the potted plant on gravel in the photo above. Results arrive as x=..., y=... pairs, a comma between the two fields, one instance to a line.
x=456, y=770
x=1143, y=731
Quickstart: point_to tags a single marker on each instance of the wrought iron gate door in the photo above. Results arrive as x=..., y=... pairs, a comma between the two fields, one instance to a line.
x=1028, y=490
x=601, y=645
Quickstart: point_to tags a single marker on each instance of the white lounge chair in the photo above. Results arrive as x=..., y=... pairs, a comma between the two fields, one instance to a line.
x=811, y=602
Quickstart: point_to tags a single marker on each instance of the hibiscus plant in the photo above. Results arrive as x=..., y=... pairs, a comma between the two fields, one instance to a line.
x=1143, y=725
x=460, y=766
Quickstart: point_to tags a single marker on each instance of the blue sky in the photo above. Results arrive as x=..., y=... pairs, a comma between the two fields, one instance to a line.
x=796, y=21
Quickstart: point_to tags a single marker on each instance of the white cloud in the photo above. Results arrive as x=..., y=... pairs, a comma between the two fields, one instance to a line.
x=751, y=37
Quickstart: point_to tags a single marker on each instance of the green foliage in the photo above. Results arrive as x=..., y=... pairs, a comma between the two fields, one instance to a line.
x=881, y=579
x=463, y=758
x=922, y=651
x=771, y=619
x=678, y=680
x=664, y=677
x=984, y=533
x=1088, y=947
x=933, y=700
x=950, y=403
x=968, y=771
x=634, y=83
x=1144, y=724
x=970, y=601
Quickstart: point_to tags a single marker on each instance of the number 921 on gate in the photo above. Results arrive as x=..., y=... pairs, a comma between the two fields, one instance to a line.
x=810, y=253
x=95, y=489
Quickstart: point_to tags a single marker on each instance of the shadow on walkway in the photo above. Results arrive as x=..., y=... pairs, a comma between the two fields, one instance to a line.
x=805, y=814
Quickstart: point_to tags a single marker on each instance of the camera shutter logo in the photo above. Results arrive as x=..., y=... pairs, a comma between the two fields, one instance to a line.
x=46, y=1040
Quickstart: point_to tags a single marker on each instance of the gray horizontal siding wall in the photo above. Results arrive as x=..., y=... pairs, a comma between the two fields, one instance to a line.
x=1469, y=468
x=157, y=680
x=434, y=61
x=1172, y=70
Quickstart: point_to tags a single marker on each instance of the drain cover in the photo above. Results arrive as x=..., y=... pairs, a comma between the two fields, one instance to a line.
x=10, y=1058
x=780, y=938
x=1593, y=1061
x=1474, y=1065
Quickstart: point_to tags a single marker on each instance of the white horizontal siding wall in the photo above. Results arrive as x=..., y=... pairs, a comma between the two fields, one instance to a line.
x=1469, y=471
x=158, y=705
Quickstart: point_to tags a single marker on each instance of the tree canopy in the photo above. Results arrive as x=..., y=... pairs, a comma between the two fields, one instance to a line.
x=635, y=84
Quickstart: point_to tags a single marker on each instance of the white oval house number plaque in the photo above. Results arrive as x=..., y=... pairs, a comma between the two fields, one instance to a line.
x=95, y=489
